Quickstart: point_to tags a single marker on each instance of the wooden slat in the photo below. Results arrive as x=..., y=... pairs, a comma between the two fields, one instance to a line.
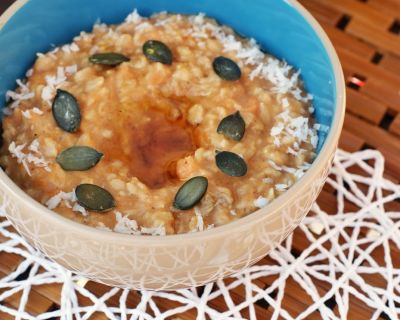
x=322, y=13
x=373, y=34
x=35, y=305
x=350, y=142
x=364, y=106
x=391, y=63
x=395, y=126
x=371, y=134
x=50, y=291
x=392, y=7
x=9, y=262
x=360, y=11
x=345, y=41
x=6, y=316
x=380, y=84
x=380, y=139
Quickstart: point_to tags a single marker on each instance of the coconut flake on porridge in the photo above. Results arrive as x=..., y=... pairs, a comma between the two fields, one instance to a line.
x=35, y=157
x=125, y=225
x=53, y=82
x=70, y=201
x=21, y=94
x=261, y=202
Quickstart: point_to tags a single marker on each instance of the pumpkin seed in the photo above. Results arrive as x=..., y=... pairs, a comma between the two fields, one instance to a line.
x=226, y=69
x=66, y=111
x=190, y=193
x=78, y=158
x=94, y=198
x=232, y=126
x=108, y=58
x=231, y=164
x=157, y=51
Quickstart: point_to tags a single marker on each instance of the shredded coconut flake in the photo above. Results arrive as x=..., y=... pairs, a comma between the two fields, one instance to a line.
x=125, y=225
x=299, y=128
x=314, y=141
x=199, y=217
x=261, y=202
x=78, y=208
x=281, y=187
x=158, y=231
x=71, y=69
x=274, y=165
x=34, y=146
x=277, y=129
x=54, y=201
x=130, y=226
x=321, y=127
x=69, y=200
x=26, y=114
x=36, y=159
x=54, y=82
x=289, y=169
x=37, y=111
x=142, y=26
x=233, y=213
x=29, y=73
x=134, y=17
x=267, y=180
x=70, y=48
x=7, y=111
x=47, y=94
x=93, y=50
x=18, y=97
x=292, y=151
x=277, y=142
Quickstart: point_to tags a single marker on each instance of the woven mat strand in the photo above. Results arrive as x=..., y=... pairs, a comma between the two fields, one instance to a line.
x=347, y=252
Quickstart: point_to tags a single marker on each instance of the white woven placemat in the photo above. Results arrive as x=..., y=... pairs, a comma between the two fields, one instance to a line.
x=339, y=253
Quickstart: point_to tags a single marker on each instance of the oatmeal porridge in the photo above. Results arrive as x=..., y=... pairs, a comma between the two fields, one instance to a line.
x=160, y=125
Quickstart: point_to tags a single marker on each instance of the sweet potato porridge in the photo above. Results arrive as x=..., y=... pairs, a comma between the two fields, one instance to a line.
x=160, y=125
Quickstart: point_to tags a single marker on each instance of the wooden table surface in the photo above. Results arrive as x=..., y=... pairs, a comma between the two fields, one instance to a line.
x=366, y=35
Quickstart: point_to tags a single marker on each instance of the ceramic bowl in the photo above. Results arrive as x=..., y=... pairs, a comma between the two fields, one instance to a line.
x=282, y=27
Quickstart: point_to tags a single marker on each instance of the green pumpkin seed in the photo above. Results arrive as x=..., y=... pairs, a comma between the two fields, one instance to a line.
x=94, y=198
x=157, y=51
x=78, y=158
x=231, y=164
x=190, y=193
x=108, y=58
x=66, y=111
x=232, y=126
x=226, y=69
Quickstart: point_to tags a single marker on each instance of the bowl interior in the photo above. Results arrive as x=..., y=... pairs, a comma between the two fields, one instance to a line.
x=276, y=25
